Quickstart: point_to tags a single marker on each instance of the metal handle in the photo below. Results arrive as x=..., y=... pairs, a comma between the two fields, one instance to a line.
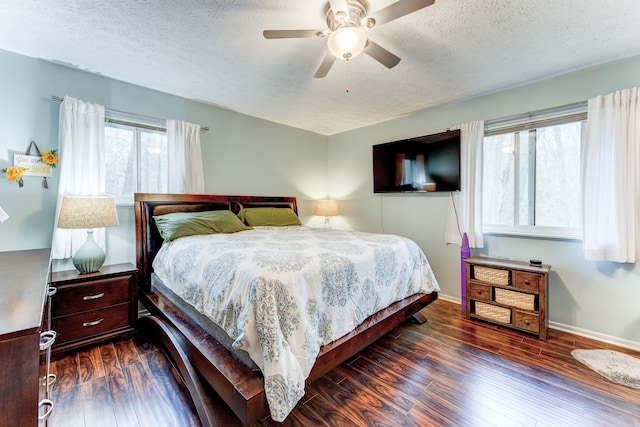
x=94, y=323
x=45, y=402
x=92, y=297
x=49, y=380
x=51, y=291
x=47, y=338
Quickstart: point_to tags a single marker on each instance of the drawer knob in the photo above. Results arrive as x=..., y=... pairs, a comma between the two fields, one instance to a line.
x=92, y=297
x=526, y=322
x=479, y=292
x=94, y=323
x=526, y=282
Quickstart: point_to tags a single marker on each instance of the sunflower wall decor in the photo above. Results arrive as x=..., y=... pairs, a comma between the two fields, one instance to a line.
x=42, y=165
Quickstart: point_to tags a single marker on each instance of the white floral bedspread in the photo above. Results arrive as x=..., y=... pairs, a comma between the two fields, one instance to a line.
x=283, y=292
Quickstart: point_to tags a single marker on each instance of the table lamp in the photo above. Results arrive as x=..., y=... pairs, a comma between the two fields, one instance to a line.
x=327, y=209
x=88, y=212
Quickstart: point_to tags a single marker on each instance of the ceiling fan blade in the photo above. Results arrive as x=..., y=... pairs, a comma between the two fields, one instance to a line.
x=339, y=6
x=290, y=34
x=381, y=54
x=324, y=68
x=398, y=9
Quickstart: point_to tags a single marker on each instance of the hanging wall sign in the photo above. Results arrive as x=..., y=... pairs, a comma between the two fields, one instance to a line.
x=27, y=165
x=32, y=165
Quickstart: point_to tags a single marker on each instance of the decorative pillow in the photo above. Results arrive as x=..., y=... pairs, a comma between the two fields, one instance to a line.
x=181, y=224
x=277, y=217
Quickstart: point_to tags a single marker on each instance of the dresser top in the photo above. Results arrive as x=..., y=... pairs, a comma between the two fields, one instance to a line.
x=507, y=263
x=23, y=289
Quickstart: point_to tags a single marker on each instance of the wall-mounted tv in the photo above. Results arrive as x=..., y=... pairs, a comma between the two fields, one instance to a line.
x=423, y=164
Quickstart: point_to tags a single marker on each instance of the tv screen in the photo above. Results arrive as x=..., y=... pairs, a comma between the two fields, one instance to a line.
x=423, y=164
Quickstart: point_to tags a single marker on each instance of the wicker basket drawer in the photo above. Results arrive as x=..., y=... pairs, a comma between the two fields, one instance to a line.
x=515, y=299
x=527, y=321
x=493, y=312
x=491, y=275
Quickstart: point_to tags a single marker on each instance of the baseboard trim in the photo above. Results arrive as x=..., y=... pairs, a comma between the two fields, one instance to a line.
x=573, y=330
x=450, y=299
x=595, y=335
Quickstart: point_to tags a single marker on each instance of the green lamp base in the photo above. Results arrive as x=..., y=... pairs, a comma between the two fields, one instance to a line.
x=90, y=257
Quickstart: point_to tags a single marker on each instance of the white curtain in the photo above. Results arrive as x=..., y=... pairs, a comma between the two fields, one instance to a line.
x=611, y=178
x=465, y=206
x=82, y=167
x=186, y=174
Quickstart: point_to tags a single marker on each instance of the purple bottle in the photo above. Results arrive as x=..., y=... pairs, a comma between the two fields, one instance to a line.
x=464, y=254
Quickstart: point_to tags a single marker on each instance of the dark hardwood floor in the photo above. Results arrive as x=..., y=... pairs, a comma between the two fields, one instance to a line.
x=449, y=371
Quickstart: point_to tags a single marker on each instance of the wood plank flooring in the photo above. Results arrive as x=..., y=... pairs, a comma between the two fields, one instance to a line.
x=449, y=372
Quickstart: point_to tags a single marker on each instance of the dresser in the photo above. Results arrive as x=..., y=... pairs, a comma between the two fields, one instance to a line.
x=94, y=307
x=508, y=293
x=23, y=294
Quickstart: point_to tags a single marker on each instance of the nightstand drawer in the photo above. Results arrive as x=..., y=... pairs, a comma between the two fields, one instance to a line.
x=83, y=297
x=86, y=324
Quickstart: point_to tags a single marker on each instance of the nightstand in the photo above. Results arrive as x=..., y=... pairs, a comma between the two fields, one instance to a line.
x=94, y=307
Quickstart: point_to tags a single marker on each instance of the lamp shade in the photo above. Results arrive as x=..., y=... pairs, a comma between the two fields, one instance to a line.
x=87, y=212
x=327, y=208
x=347, y=42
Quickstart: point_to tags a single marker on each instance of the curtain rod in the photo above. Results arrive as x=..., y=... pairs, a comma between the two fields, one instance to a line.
x=59, y=99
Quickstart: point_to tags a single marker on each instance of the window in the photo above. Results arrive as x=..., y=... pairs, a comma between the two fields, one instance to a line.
x=531, y=174
x=136, y=160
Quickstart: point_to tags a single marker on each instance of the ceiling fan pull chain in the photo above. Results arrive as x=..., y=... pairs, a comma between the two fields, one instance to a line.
x=346, y=89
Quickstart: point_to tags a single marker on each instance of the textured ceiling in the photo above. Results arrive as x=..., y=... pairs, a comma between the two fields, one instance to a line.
x=214, y=51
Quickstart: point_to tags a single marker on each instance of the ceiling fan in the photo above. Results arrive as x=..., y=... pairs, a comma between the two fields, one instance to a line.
x=346, y=36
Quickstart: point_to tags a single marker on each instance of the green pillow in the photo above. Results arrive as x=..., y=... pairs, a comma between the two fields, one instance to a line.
x=181, y=224
x=277, y=217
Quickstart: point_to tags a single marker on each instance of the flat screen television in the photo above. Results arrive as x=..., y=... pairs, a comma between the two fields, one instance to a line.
x=423, y=164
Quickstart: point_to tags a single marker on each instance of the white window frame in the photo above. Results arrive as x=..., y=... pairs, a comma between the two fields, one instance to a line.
x=570, y=113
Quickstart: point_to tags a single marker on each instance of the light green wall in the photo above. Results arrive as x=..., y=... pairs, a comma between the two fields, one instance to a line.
x=242, y=155
x=600, y=299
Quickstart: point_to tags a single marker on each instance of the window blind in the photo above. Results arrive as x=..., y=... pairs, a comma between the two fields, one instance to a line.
x=535, y=119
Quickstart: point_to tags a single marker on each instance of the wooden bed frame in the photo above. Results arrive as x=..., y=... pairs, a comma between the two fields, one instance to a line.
x=196, y=355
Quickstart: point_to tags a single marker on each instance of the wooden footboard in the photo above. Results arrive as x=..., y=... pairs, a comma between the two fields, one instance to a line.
x=237, y=385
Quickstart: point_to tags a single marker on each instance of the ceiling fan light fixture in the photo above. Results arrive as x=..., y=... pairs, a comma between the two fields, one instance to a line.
x=347, y=42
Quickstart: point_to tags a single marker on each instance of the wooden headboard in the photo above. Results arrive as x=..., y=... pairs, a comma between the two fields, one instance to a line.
x=146, y=205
